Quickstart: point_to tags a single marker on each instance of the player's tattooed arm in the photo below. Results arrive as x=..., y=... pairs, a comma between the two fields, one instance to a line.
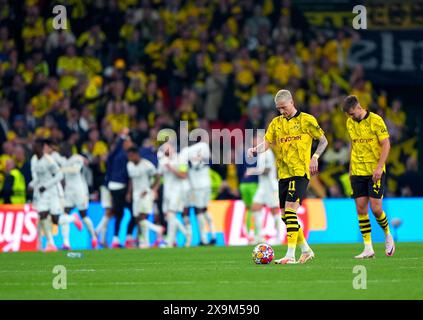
x=323, y=143
x=314, y=164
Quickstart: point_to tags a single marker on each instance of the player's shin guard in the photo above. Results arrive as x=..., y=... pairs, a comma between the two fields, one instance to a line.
x=365, y=229
x=383, y=222
x=89, y=224
x=292, y=228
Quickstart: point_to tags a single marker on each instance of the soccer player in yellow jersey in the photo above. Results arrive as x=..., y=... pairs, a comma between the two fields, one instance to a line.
x=369, y=151
x=290, y=136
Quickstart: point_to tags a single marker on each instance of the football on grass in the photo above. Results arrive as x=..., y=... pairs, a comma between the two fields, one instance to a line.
x=263, y=254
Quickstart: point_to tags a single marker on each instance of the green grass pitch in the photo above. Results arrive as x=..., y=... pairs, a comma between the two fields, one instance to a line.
x=213, y=273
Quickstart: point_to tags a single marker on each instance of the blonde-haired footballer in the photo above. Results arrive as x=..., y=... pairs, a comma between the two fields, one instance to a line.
x=290, y=135
x=369, y=151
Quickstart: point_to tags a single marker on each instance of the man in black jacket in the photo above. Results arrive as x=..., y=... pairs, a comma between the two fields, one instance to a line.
x=117, y=180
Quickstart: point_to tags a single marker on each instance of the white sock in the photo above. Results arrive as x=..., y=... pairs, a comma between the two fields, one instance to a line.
x=305, y=247
x=290, y=253
x=210, y=223
x=89, y=224
x=102, y=228
x=102, y=224
x=129, y=237
x=39, y=244
x=257, y=224
x=155, y=227
x=188, y=230
x=46, y=227
x=368, y=247
x=64, y=226
x=181, y=227
x=202, y=225
x=115, y=239
x=69, y=217
x=145, y=232
x=172, y=224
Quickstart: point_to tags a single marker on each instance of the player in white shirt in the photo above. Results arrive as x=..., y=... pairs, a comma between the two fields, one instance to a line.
x=175, y=186
x=62, y=218
x=76, y=188
x=266, y=194
x=198, y=156
x=143, y=192
x=46, y=176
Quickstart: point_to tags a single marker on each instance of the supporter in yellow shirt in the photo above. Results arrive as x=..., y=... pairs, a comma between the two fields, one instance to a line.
x=69, y=67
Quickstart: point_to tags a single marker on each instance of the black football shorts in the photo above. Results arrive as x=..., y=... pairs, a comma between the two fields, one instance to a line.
x=363, y=186
x=292, y=189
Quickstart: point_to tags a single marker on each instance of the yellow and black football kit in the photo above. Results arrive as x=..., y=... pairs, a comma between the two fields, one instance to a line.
x=366, y=136
x=291, y=141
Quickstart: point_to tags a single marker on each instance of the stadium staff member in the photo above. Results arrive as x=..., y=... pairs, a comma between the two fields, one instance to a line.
x=369, y=150
x=14, y=188
x=117, y=179
x=291, y=136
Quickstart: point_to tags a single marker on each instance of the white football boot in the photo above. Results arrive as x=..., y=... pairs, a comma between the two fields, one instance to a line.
x=306, y=256
x=389, y=245
x=366, y=254
x=286, y=260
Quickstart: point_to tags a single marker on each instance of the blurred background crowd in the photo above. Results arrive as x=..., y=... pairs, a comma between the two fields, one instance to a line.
x=148, y=64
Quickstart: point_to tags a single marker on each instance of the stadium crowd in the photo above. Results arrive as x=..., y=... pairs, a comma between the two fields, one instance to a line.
x=147, y=65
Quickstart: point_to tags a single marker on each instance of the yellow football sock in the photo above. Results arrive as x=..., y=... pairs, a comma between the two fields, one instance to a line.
x=301, y=237
x=283, y=218
x=383, y=222
x=365, y=228
x=292, y=228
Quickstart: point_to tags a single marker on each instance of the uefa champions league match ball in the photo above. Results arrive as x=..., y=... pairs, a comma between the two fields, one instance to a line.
x=263, y=254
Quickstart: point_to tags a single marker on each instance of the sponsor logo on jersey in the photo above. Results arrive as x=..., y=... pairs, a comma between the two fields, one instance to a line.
x=288, y=139
x=363, y=140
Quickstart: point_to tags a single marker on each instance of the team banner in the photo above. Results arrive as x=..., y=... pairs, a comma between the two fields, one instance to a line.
x=323, y=221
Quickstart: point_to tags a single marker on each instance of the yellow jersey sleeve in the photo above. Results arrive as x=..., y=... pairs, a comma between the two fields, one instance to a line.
x=380, y=129
x=313, y=128
x=270, y=132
